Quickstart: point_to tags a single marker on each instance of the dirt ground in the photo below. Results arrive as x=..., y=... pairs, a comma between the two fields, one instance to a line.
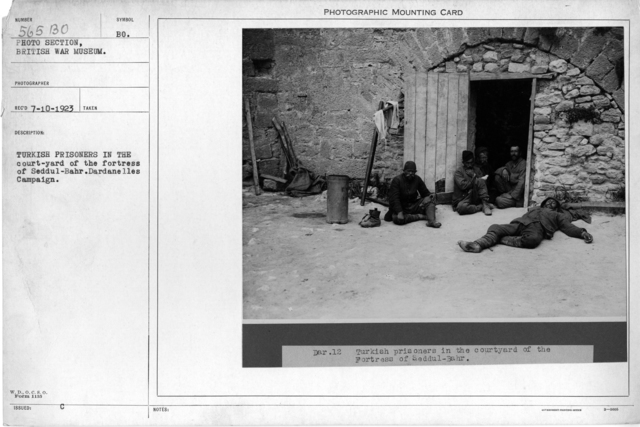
x=297, y=266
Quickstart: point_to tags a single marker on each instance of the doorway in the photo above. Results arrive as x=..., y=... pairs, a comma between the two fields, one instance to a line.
x=499, y=116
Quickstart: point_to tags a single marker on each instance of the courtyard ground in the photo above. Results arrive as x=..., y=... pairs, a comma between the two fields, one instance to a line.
x=297, y=266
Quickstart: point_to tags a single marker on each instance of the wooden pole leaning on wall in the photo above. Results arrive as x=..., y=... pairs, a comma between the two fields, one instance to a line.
x=296, y=162
x=372, y=155
x=283, y=146
x=252, y=149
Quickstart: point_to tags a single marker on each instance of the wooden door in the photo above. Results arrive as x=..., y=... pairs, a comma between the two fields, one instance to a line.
x=436, y=120
x=527, y=185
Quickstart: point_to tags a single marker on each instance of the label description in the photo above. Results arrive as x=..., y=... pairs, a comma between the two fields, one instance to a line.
x=47, y=167
x=388, y=355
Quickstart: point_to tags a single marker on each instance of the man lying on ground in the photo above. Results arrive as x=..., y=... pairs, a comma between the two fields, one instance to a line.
x=470, y=194
x=529, y=230
x=410, y=200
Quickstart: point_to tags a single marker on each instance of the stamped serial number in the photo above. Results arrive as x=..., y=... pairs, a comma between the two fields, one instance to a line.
x=46, y=108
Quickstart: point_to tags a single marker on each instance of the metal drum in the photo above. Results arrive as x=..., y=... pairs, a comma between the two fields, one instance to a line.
x=337, y=199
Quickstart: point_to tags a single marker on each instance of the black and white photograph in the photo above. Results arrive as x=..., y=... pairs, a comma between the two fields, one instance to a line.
x=434, y=173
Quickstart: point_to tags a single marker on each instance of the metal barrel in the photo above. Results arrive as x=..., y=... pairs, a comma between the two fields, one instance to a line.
x=337, y=199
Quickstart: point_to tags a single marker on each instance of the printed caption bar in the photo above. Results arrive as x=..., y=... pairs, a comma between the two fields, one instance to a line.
x=319, y=356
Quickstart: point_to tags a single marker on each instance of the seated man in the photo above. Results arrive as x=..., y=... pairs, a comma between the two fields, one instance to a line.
x=482, y=162
x=529, y=230
x=469, y=188
x=509, y=181
x=404, y=204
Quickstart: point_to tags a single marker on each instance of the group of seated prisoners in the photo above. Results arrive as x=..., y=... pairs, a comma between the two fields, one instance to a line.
x=475, y=186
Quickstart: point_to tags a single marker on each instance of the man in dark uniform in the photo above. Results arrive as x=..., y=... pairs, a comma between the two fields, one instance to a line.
x=483, y=163
x=509, y=181
x=410, y=200
x=529, y=230
x=470, y=193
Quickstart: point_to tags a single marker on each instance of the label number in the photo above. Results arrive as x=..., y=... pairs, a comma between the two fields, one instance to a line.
x=53, y=30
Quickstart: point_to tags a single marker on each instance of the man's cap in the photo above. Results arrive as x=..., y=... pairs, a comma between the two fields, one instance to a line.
x=482, y=150
x=467, y=155
x=410, y=166
x=544, y=202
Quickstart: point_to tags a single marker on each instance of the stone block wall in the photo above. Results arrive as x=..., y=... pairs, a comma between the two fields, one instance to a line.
x=586, y=157
x=325, y=84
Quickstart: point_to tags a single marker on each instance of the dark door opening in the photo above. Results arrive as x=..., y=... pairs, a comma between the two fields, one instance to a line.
x=499, y=117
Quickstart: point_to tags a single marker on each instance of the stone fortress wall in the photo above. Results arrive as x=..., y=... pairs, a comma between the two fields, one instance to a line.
x=325, y=84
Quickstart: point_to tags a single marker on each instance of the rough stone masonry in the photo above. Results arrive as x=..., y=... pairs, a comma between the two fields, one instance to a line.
x=325, y=84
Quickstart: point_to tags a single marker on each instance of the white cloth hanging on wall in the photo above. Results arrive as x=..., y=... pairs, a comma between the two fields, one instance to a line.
x=381, y=124
x=395, y=116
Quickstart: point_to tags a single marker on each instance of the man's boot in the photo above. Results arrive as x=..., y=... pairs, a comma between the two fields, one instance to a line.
x=431, y=216
x=515, y=241
x=478, y=246
x=372, y=219
x=470, y=246
x=486, y=208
